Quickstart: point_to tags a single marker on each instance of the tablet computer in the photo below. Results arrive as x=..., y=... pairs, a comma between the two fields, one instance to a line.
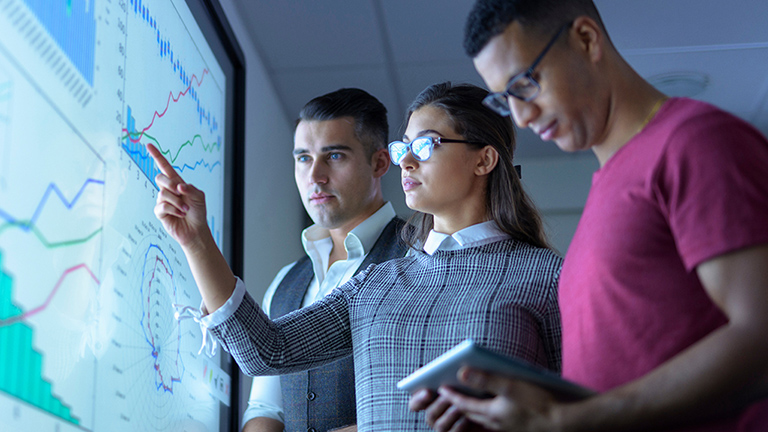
x=443, y=369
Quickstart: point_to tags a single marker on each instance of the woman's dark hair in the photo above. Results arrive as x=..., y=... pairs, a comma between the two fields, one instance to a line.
x=506, y=201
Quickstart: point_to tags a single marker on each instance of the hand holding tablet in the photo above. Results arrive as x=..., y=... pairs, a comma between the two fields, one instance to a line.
x=443, y=369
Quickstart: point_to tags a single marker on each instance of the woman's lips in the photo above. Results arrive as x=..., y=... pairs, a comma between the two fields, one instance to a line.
x=409, y=183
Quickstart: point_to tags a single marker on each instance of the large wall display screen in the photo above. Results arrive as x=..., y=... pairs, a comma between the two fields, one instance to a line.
x=89, y=280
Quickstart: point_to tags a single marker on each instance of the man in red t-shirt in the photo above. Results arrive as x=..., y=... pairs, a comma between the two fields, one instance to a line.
x=664, y=290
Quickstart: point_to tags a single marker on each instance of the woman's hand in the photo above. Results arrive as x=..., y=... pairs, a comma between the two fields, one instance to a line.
x=180, y=206
x=181, y=209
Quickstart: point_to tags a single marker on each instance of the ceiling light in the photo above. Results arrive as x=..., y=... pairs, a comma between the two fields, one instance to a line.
x=683, y=84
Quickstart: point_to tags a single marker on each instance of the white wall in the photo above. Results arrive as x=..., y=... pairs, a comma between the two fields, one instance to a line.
x=559, y=188
x=273, y=211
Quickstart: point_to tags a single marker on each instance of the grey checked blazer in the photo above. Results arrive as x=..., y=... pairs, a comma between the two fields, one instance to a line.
x=397, y=316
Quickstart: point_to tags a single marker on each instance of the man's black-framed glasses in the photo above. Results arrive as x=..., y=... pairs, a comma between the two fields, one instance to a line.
x=421, y=147
x=523, y=85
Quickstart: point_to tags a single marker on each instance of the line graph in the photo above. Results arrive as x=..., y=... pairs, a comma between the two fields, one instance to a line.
x=135, y=148
x=165, y=49
x=177, y=107
x=132, y=135
x=52, y=188
x=44, y=240
x=8, y=320
x=208, y=166
x=158, y=114
x=172, y=157
x=29, y=225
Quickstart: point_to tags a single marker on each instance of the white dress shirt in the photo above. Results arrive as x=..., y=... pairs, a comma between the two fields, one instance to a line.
x=471, y=236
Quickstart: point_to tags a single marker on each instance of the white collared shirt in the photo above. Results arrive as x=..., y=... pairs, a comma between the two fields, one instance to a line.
x=318, y=245
x=471, y=236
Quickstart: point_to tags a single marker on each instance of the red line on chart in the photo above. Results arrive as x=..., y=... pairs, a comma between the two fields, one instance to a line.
x=45, y=304
x=167, y=104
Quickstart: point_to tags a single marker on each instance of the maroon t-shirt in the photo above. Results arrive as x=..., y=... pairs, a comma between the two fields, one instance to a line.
x=691, y=186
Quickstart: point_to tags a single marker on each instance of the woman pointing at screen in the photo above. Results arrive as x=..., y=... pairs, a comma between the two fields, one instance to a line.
x=480, y=268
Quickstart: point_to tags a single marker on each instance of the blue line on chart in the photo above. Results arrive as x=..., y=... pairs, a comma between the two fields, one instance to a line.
x=51, y=188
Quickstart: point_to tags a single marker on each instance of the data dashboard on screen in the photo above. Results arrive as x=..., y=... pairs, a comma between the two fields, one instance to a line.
x=89, y=280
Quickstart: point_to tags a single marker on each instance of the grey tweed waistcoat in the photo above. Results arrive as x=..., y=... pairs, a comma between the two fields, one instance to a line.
x=323, y=399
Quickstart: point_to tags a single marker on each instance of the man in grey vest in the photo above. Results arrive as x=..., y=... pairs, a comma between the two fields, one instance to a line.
x=340, y=154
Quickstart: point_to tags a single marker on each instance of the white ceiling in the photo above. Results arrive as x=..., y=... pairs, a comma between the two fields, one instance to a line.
x=395, y=48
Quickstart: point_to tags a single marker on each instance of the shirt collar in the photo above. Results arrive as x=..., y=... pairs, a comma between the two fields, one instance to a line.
x=471, y=236
x=358, y=242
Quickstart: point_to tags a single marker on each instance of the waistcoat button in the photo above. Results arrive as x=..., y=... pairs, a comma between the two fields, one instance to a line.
x=311, y=396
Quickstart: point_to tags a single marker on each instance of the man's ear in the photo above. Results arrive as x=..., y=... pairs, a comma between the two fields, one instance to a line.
x=380, y=162
x=487, y=160
x=589, y=37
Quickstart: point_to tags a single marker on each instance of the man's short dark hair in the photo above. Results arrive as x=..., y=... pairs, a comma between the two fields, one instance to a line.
x=370, y=115
x=490, y=18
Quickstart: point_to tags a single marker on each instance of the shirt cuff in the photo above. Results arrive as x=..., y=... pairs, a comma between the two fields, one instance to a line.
x=226, y=310
x=258, y=409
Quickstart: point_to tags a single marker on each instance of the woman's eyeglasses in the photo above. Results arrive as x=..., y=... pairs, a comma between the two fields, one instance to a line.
x=421, y=147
